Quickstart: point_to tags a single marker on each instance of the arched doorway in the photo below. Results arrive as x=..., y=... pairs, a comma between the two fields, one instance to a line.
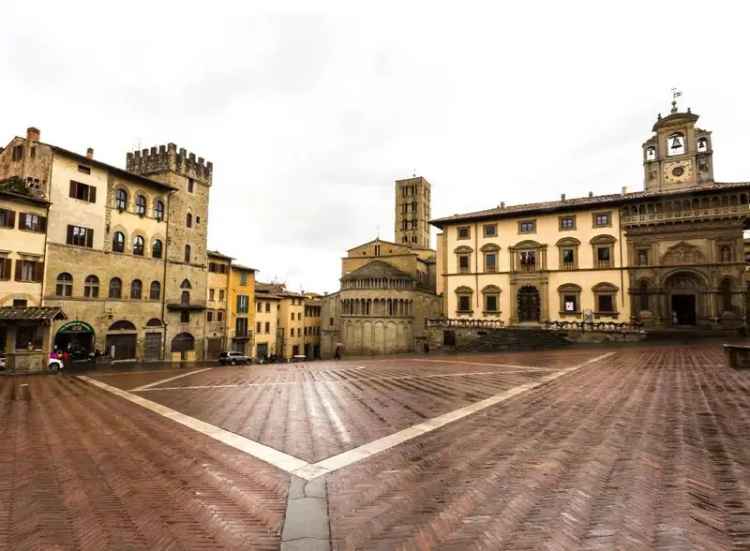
x=121, y=340
x=685, y=296
x=76, y=337
x=528, y=304
x=184, y=343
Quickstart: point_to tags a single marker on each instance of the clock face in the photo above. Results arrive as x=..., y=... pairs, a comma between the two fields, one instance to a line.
x=678, y=171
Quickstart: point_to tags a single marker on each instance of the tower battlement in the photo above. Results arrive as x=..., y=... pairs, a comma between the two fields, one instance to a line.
x=166, y=158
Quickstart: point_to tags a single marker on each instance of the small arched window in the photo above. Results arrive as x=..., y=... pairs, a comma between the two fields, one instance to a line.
x=155, y=291
x=91, y=287
x=136, y=289
x=118, y=242
x=185, y=297
x=121, y=199
x=138, y=245
x=115, y=288
x=159, y=210
x=187, y=253
x=185, y=284
x=140, y=205
x=64, y=287
x=189, y=220
x=156, y=248
x=676, y=144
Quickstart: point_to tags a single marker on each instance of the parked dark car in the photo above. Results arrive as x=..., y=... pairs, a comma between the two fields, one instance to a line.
x=234, y=358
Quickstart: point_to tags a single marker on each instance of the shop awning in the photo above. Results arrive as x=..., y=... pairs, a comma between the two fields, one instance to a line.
x=33, y=313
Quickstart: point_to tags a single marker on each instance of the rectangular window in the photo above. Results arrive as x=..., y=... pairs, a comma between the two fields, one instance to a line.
x=17, y=153
x=463, y=263
x=211, y=294
x=32, y=222
x=82, y=192
x=7, y=218
x=80, y=236
x=490, y=303
x=268, y=327
x=209, y=315
x=240, y=327
x=490, y=230
x=84, y=169
x=243, y=278
x=570, y=304
x=528, y=261
x=605, y=303
x=20, y=303
x=603, y=257
x=567, y=223
x=221, y=295
x=490, y=262
x=527, y=226
x=643, y=257
x=602, y=219
x=5, y=267
x=185, y=316
x=568, y=256
x=268, y=306
x=464, y=232
x=191, y=185
x=29, y=271
x=220, y=315
x=464, y=303
x=242, y=304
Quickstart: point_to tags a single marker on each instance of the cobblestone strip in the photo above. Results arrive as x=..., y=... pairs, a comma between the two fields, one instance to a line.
x=170, y=379
x=271, y=456
x=360, y=453
x=306, y=525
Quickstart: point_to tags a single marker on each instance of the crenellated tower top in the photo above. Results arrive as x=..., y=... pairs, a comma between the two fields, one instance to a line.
x=167, y=158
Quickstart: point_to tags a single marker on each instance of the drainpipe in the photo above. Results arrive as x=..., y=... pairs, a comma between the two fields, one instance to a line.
x=622, y=264
x=476, y=264
x=164, y=282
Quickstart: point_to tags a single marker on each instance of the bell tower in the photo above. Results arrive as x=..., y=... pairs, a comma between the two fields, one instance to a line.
x=413, y=212
x=679, y=154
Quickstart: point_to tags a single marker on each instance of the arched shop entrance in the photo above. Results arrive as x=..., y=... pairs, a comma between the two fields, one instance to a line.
x=76, y=337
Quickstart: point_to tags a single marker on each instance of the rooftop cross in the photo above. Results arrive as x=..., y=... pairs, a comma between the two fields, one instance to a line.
x=675, y=94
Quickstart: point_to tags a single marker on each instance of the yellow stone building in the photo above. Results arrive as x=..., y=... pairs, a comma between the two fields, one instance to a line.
x=668, y=256
x=241, y=304
x=267, y=304
x=217, y=315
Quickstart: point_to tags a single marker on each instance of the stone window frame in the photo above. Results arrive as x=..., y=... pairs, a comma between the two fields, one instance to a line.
x=136, y=289
x=139, y=245
x=91, y=286
x=570, y=289
x=490, y=248
x=460, y=229
x=722, y=245
x=160, y=212
x=567, y=243
x=596, y=224
x=464, y=291
x=485, y=227
x=119, y=205
x=567, y=217
x=491, y=291
x=603, y=241
x=114, y=290
x=154, y=286
x=605, y=288
x=638, y=260
x=463, y=251
x=540, y=256
x=124, y=243
x=522, y=223
x=140, y=204
x=64, y=285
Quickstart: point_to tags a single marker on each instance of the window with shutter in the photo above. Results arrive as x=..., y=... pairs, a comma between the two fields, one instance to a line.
x=7, y=218
x=5, y=267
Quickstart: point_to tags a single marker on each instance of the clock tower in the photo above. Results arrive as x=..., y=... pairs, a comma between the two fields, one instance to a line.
x=679, y=154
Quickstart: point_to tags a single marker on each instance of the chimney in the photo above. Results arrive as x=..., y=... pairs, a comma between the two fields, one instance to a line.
x=591, y=193
x=502, y=204
x=562, y=197
x=32, y=134
x=90, y=153
x=624, y=189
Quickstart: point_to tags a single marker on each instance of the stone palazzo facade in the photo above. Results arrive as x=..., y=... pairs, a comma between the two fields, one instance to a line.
x=670, y=256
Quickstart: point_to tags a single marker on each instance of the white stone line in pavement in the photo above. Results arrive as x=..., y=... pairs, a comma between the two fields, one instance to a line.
x=355, y=455
x=169, y=379
x=123, y=372
x=336, y=381
x=278, y=459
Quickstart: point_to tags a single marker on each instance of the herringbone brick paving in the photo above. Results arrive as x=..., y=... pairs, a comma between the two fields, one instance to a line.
x=316, y=410
x=83, y=470
x=649, y=451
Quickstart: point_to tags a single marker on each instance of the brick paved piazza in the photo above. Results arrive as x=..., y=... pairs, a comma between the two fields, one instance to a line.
x=641, y=447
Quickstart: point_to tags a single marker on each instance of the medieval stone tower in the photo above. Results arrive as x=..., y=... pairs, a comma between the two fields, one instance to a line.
x=413, y=212
x=187, y=232
x=678, y=155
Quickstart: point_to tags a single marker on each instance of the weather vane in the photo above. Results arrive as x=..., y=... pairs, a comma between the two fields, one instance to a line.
x=675, y=94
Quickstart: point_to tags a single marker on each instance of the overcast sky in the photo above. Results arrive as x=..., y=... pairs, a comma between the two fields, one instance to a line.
x=310, y=111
